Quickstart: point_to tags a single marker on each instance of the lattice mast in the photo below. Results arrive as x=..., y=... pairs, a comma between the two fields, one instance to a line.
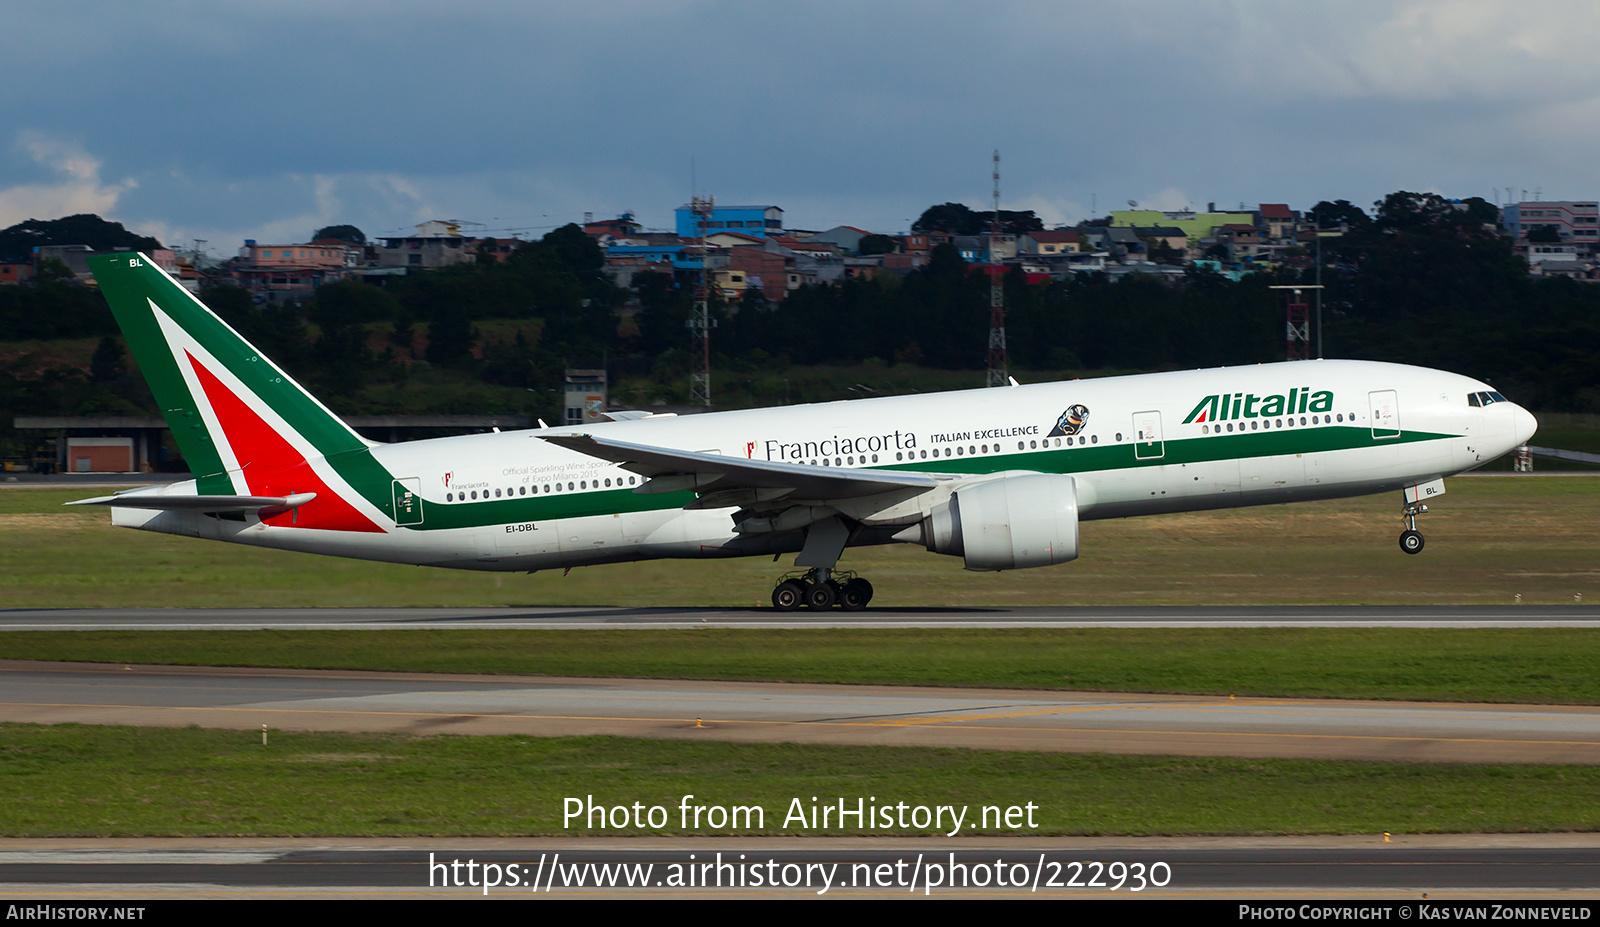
x=1297, y=322
x=998, y=374
x=700, y=321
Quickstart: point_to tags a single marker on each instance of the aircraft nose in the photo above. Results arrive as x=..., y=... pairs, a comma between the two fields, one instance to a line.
x=1525, y=426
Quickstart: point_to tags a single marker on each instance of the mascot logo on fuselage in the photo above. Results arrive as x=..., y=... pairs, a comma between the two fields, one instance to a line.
x=1071, y=421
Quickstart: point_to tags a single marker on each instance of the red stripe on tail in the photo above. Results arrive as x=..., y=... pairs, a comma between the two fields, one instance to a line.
x=272, y=467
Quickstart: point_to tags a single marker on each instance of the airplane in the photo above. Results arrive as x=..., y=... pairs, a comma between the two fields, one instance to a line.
x=1000, y=476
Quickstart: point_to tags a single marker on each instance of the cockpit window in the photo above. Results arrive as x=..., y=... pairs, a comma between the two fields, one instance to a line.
x=1484, y=398
x=1496, y=397
x=1473, y=400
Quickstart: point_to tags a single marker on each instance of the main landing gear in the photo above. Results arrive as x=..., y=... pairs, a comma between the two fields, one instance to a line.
x=1411, y=539
x=822, y=588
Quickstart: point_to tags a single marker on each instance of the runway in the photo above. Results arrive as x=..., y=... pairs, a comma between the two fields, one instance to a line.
x=997, y=719
x=602, y=618
x=1499, y=868
x=1260, y=871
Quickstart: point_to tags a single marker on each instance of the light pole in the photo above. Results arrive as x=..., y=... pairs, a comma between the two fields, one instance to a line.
x=1320, y=236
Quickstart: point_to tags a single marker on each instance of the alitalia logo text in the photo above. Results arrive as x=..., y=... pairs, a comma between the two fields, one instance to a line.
x=1225, y=406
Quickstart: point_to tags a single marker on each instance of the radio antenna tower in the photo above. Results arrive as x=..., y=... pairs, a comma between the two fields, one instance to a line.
x=700, y=322
x=998, y=375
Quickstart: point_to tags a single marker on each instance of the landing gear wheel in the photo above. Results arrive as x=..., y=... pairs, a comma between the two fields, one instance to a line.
x=1411, y=541
x=819, y=595
x=855, y=595
x=788, y=596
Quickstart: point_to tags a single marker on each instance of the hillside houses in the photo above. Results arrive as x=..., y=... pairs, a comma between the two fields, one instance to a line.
x=750, y=247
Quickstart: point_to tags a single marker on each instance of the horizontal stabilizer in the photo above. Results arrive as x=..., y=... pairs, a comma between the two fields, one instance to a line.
x=188, y=503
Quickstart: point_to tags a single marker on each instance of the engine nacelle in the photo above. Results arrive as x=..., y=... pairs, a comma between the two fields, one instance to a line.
x=1008, y=523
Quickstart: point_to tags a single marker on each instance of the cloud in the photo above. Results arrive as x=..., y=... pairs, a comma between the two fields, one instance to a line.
x=79, y=191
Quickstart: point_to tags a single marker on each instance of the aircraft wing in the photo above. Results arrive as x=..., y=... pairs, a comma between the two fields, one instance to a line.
x=672, y=470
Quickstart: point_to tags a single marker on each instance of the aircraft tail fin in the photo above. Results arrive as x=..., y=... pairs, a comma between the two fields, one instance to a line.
x=235, y=414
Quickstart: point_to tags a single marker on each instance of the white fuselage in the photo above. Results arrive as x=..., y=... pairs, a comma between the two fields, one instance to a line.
x=1143, y=445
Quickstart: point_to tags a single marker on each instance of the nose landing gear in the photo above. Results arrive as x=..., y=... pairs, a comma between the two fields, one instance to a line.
x=822, y=589
x=1411, y=539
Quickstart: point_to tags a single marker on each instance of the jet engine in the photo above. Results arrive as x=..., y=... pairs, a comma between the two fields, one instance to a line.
x=1008, y=524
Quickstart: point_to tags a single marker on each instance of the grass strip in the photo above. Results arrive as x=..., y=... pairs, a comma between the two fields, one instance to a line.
x=79, y=780
x=1539, y=666
x=1491, y=540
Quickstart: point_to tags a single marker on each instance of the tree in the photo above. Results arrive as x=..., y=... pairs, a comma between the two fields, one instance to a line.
x=1403, y=211
x=341, y=233
x=1480, y=212
x=18, y=241
x=876, y=244
x=450, y=338
x=663, y=310
x=108, y=364
x=1544, y=235
x=1326, y=215
x=950, y=218
x=1160, y=252
x=574, y=248
x=957, y=219
x=53, y=271
x=352, y=302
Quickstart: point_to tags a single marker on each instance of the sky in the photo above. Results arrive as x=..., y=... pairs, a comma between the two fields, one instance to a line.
x=201, y=120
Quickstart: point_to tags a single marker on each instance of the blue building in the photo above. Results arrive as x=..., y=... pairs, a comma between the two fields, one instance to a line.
x=759, y=221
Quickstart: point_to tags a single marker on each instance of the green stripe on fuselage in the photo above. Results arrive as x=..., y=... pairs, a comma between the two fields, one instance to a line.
x=1085, y=459
x=1091, y=458
x=438, y=516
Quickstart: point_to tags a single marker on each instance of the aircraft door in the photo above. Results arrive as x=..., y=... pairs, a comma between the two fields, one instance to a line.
x=408, y=501
x=1147, y=443
x=1385, y=408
